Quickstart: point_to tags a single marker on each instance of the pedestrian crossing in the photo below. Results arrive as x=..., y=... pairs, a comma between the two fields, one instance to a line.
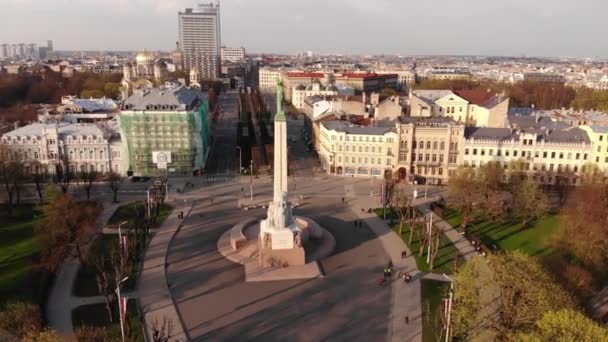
x=219, y=179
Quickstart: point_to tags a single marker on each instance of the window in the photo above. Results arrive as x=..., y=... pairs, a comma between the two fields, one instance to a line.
x=435, y=145
x=474, y=151
x=434, y=158
x=578, y=156
x=545, y=154
x=552, y=154
x=373, y=149
x=388, y=161
x=561, y=156
x=498, y=153
x=360, y=149
x=491, y=152
x=514, y=153
x=442, y=146
x=347, y=148
x=585, y=156
x=441, y=158
x=428, y=145
x=466, y=151
x=366, y=149
x=601, y=137
x=339, y=147
x=483, y=152
x=379, y=149
x=440, y=171
x=420, y=157
x=421, y=144
x=427, y=157
x=506, y=153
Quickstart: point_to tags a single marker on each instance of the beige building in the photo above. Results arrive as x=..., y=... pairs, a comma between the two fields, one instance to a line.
x=473, y=108
x=427, y=148
x=295, y=78
x=57, y=146
x=269, y=78
x=448, y=75
x=545, y=154
x=598, y=135
x=350, y=150
x=546, y=77
x=388, y=110
x=405, y=78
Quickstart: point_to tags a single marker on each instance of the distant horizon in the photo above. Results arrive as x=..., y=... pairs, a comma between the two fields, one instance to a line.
x=350, y=27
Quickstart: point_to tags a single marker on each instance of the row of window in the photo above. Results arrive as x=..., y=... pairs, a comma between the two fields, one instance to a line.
x=367, y=139
x=366, y=149
x=535, y=167
x=515, y=153
x=361, y=160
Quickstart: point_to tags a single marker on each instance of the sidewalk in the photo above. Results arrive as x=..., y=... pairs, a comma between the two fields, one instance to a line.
x=61, y=302
x=406, y=297
x=155, y=298
x=463, y=245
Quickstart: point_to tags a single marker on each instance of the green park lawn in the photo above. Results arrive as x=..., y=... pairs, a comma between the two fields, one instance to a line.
x=447, y=258
x=433, y=292
x=18, y=252
x=127, y=212
x=511, y=235
x=95, y=315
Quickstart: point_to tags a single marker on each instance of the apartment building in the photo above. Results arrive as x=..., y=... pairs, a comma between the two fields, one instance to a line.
x=473, y=108
x=546, y=77
x=351, y=150
x=269, y=78
x=367, y=82
x=544, y=154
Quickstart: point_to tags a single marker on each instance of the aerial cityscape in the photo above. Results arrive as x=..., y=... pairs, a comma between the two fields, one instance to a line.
x=183, y=170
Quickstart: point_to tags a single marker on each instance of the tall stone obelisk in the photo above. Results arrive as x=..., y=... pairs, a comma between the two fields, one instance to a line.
x=279, y=228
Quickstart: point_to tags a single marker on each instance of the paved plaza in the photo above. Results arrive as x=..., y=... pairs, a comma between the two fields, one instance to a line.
x=215, y=302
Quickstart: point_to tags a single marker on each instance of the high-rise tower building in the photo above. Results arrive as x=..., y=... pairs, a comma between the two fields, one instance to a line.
x=199, y=37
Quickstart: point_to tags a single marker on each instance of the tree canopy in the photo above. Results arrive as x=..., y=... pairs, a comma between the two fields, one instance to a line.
x=504, y=294
x=564, y=326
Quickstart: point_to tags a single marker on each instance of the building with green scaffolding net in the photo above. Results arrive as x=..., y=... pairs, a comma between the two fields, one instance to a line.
x=172, y=121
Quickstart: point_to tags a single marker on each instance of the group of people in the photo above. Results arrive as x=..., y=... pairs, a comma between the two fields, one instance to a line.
x=388, y=273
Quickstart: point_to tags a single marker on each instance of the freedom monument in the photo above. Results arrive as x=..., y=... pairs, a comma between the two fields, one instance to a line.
x=282, y=241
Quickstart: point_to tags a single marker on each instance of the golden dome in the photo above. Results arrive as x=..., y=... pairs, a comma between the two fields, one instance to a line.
x=145, y=57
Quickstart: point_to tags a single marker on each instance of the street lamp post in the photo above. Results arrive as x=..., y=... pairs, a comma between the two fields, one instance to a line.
x=426, y=186
x=251, y=183
x=120, y=233
x=448, y=324
x=120, y=308
x=240, y=159
x=148, y=199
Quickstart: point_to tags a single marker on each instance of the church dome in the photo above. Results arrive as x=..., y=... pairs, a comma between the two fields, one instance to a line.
x=145, y=57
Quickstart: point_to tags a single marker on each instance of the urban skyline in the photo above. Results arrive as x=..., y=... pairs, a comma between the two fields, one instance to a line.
x=510, y=28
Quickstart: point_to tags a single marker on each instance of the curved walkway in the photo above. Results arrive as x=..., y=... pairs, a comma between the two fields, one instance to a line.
x=61, y=302
x=154, y=296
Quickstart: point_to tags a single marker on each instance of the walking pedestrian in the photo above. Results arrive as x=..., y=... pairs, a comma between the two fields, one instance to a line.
x=342, y=199
x=407, y=319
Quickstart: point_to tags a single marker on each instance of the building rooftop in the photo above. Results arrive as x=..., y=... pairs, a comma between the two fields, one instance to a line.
x=349, y=128
x=63, y=129
x=165, y=98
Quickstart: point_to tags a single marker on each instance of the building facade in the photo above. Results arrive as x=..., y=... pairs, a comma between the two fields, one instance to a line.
x=268, y=78
x=473, y=108
x=367, y=82
x=51, y=148
x=172, y=120
x=233, y=55
x=200, y=38
x=301, y=92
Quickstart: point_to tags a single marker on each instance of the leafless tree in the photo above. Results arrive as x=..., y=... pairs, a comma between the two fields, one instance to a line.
x=87, y=176
x=65, y=174
x=38, y=176
x=402, y=204
x=109, y=272
x=162, y=330
x=114, y=182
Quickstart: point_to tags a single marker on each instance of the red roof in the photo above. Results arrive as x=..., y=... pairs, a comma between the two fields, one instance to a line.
x=305, y=74
x=366, y=75
x=477, y=97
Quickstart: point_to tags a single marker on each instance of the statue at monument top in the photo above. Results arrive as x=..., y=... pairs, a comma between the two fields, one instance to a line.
x=280, y=115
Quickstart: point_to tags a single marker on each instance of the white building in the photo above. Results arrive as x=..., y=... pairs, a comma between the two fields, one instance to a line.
x=234, y=55
x=60, y=146
x=301, y=92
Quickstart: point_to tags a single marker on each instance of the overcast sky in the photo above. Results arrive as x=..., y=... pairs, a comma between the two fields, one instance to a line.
x=464, y=27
